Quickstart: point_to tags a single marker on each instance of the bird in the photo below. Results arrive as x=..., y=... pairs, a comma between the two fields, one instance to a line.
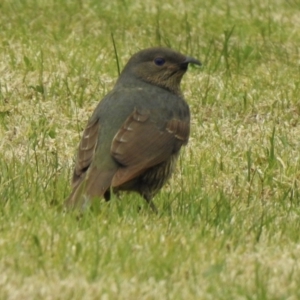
x=133, y=138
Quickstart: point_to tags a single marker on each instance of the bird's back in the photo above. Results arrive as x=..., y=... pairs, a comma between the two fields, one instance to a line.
x=115, y=108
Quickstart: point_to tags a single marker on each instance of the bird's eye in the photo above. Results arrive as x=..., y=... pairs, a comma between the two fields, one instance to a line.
x=159, y=61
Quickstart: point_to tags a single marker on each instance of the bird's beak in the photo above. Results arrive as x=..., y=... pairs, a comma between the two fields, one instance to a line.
x=191, y=60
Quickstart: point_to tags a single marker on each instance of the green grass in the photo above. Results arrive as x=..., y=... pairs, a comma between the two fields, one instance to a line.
x=229, y=220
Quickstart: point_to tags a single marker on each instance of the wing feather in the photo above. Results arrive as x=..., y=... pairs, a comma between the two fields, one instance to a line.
x=86, y=150
x=140, y=144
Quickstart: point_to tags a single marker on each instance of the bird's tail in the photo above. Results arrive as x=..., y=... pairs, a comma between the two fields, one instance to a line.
x=92, y=186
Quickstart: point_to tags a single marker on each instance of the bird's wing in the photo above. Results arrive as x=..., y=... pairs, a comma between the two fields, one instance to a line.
x=140, y=144
x=88, y=180
x=86, y=151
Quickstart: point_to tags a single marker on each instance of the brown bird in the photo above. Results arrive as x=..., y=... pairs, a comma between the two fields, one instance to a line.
x=133, y=138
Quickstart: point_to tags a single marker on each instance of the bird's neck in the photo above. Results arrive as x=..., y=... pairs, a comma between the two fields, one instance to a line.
x=137, y=82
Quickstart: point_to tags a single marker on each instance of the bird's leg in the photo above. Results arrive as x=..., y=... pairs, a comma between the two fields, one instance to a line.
x=107, y=195
x=148, y=199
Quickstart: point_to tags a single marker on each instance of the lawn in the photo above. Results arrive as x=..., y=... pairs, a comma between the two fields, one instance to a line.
x=228, y=225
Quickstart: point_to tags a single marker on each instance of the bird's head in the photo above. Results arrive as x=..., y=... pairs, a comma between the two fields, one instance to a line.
x=159, y=66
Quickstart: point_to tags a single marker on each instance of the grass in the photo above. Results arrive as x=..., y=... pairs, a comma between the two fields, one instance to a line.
x=228, y=222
